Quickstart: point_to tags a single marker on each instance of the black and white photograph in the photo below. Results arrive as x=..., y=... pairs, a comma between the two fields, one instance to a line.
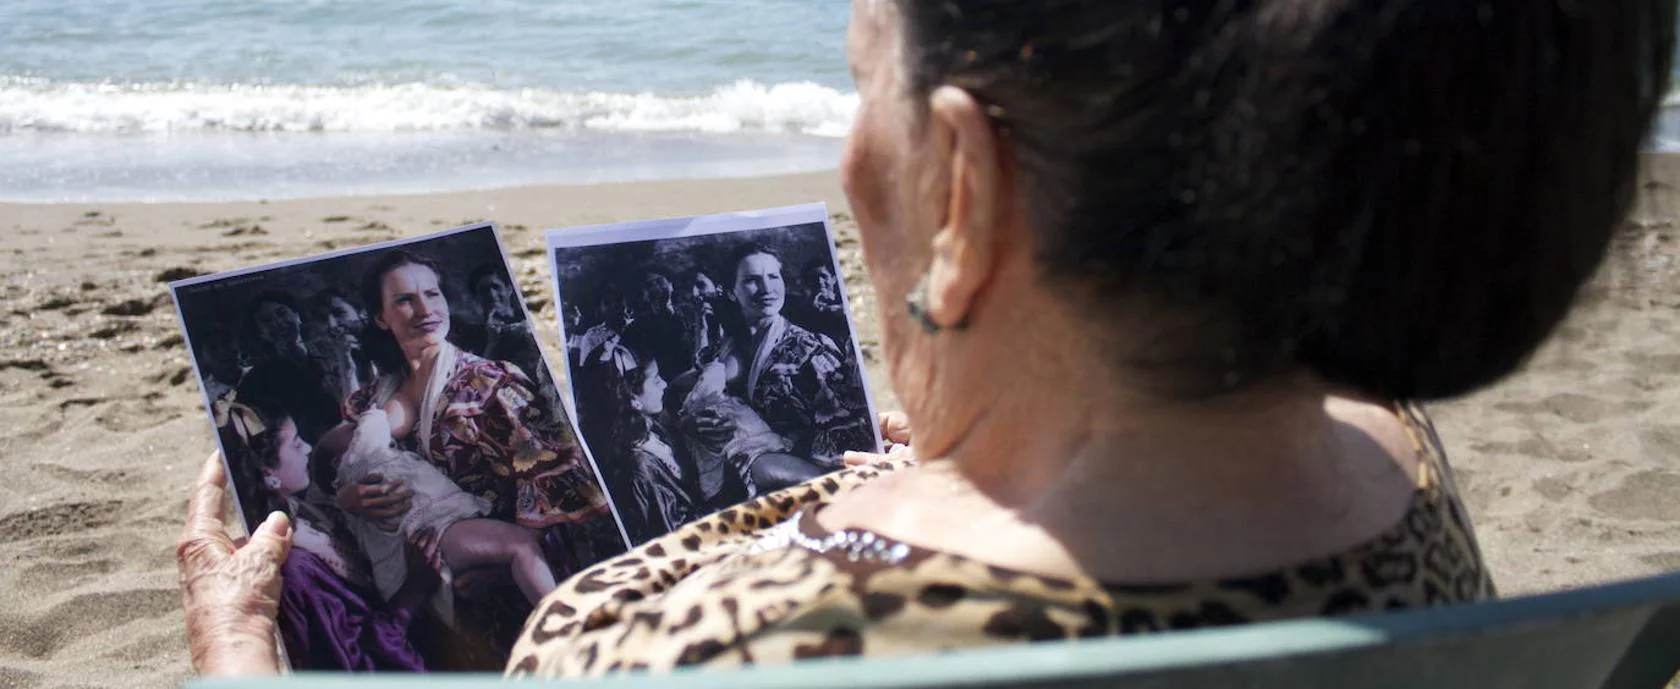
x=713, y=359
x=393, y=401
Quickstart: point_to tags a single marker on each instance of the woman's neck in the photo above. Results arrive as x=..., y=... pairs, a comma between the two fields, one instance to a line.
x=1066, y=485
x=1032, y=409
x=1080, y=434
x=1281, y=471
x=421, y=358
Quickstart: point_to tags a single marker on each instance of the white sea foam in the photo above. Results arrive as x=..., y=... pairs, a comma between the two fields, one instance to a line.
x=804, y=108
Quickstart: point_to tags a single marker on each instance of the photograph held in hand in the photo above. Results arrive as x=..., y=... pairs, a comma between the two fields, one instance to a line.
x=393, y=402
x=713, y=359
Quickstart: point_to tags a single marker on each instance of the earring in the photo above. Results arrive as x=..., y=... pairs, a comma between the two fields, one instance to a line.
x=916, y=304
x=272, y=481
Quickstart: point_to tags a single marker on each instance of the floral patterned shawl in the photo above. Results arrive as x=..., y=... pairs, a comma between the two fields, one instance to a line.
x=480, y=426
x=803, y=387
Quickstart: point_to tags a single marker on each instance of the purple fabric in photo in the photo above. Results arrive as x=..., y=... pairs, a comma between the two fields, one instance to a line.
x=331, y=624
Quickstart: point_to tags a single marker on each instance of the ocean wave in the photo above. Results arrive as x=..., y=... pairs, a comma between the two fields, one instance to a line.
x=745, y=106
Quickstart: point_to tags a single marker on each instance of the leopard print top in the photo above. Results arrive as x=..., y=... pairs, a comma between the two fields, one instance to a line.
x=764, y=582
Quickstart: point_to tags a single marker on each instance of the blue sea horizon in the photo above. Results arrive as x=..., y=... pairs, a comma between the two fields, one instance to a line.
x=199, y=100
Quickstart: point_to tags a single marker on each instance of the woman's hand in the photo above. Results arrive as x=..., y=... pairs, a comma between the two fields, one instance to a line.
x=231, y=591
x=426, y=549
x=895, y=427
x=895, y=432
x=710, y=427
x=377, y=499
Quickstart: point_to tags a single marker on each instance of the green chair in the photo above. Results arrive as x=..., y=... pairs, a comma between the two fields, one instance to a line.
x=1619, y=636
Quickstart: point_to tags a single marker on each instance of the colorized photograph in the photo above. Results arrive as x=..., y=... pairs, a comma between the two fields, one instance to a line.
x=394, y=402
x=713, y=359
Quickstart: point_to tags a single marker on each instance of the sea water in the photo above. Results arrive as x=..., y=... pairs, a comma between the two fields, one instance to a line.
x=170, y=100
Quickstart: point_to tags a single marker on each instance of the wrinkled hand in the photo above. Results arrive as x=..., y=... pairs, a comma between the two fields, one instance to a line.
x=895, y=427
x=376, y=499
x=230, y=591
x=895, y=432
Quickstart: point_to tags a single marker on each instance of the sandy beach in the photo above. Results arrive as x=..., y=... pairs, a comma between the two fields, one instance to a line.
x=1571, y=467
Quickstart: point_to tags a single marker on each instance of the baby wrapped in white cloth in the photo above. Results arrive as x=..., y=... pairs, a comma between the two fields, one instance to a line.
x=752, y=437
x=439, y=508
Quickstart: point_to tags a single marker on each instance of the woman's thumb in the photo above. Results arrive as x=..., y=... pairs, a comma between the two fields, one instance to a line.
x=273, y=536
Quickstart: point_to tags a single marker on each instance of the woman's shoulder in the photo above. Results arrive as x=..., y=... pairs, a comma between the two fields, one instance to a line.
x=687, y=573
x=806, y=341
x=805, y=591
x=488, y=372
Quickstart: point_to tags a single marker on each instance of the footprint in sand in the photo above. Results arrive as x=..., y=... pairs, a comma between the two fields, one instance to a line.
x=176, y=273
x=129, y=416
x=1646, y=495
x=1553, y=488
x=44, y=634
x=114, y=329
x=245, y=230
x=1535, y=446
x=50, y=577
x=151, y=648
x=131, y=307
x=57, y=520
x=1575, y=407
x=83, y=477
x=1668, y=562
x=16, y=678
x=1662, y=441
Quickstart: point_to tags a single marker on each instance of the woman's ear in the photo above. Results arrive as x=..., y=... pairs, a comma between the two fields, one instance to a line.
x=965, y=247
x=379, y=320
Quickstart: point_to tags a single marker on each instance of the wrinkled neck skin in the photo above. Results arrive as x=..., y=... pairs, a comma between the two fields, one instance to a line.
x=1054, y=414
x=1041, y=453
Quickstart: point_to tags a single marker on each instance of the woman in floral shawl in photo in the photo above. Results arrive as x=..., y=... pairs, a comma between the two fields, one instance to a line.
x=482, y=424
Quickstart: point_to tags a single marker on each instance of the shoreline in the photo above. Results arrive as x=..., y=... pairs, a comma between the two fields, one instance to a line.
x=1569, y=467
x=378, y=196
x=209, y=167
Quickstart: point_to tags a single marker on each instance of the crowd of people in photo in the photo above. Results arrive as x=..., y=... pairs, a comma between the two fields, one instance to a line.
x=423, y=455
x=696, y=394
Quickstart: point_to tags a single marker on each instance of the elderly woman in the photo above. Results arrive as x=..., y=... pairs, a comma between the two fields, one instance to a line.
x=1159, y=286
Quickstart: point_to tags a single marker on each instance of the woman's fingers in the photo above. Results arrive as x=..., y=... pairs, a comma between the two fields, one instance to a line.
x=230, y=596
x=205, y=533
x=895, y=427
x=374, y=497
x=384, y=495
x=266, y=552
x=427, y=543
x=894, y=452
x=204, y=510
